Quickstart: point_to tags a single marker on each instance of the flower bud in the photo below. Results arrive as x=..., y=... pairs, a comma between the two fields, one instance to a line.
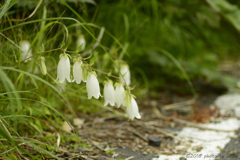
x=81, y=42
x=43, y=66
x=125, y=74
x=25, y=46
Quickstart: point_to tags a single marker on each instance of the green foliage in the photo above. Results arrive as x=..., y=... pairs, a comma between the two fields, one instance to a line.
x=4, y=8
x=221, y=5
x=111, y=151
x=188, y=30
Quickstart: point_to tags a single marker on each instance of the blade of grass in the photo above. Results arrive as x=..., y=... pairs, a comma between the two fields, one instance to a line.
x=179, y=66
x=43, y=23
x=44, y=28
x=4, y=8
x=41, y=80
x=8, y=85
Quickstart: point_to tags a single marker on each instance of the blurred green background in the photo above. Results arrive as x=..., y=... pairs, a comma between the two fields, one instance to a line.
x=199, y=34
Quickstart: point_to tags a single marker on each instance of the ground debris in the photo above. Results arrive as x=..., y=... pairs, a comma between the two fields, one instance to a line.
x=105, y=136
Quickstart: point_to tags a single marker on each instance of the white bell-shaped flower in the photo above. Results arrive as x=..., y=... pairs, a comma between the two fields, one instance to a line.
x=63, y=69
x=119, y=95
x=25, y=46
x=125, y=74
x=109, y=93
x=81, y=41
x=77, y=72
x=93, y=88
x=132, y=110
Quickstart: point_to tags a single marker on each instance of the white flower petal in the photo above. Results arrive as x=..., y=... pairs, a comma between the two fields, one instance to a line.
x=63, y=69
x=124, y=69
x=119, y=95
x=92, y=85
x=25, y=45
x=109, y=94
x=132, y=111
x=77, y=72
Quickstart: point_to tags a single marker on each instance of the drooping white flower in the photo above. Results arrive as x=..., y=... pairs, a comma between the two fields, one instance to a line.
x=81, y=41
x=25, y=46
x=77, y=72
x=119, y=95
x=132, y=110
x=93, y=88
x=63, y=69
x=109, y=93
x=125, y=74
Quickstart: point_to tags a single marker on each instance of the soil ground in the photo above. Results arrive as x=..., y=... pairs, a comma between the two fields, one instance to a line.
x=114, y=137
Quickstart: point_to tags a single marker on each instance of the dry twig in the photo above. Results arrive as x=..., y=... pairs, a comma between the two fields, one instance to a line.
x=35, y=10
x=178, y=105
x=138, y=134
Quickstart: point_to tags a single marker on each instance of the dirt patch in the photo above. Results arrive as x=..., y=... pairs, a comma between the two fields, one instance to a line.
x=115, y=137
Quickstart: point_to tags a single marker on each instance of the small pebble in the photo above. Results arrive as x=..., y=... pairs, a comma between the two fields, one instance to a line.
x=154, y=142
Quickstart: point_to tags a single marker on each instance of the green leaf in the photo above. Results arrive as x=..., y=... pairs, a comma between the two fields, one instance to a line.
x=234, y=19
x=4, y=8
x=31, y=4
x=82, y=1
x=180, y=67
x=207, y=15
x=159, y=59
x=221, y=5
x=79, y=48
x=84, y=71
x=94, y=58
x=88, y=1
x=41, y=48
x=110, y=151
x=11, y=91
x=228, y=11
x=229, y=81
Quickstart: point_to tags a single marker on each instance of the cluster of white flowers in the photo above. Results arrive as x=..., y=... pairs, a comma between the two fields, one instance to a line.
x=111, y=95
